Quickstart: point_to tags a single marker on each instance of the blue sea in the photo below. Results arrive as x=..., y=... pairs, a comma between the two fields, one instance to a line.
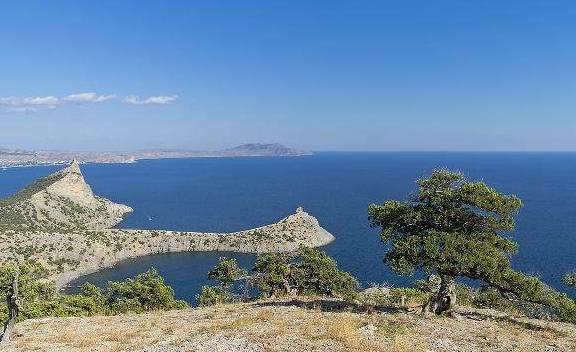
x=230, y=194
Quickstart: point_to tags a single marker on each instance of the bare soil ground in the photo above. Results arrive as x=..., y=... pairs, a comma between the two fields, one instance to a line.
x=293, y=326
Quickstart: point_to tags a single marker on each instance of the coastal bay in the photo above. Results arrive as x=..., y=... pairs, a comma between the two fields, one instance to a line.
x=224, y=195
x=58, y=221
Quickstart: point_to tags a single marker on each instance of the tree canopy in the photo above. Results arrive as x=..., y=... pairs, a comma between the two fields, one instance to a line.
x=455, y=227
x=40, y=298
x=306, y=272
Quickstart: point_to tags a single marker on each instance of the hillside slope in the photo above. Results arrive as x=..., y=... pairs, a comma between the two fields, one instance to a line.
x=62, y=200
x=292, y=326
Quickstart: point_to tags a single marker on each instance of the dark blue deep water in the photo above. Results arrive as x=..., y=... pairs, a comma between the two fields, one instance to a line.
x=229, y=194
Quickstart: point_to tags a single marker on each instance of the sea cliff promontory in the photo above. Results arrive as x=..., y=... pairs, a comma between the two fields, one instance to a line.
x=60, y=201
x=60, y=222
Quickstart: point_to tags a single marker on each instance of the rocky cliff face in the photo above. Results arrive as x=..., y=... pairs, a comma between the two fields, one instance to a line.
x=60, y=201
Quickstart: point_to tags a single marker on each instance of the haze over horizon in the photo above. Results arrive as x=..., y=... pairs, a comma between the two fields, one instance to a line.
x=321, y=75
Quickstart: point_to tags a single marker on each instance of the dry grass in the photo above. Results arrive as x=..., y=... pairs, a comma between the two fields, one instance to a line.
x=289, y=328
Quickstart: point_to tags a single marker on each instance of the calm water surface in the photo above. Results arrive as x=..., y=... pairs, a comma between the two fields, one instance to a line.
x=230, y=194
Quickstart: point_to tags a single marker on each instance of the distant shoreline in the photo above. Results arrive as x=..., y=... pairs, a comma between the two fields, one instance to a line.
x=60, y=163
x=22, y=158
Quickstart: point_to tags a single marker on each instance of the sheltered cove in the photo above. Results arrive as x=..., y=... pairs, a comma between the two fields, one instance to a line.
x=60, y=222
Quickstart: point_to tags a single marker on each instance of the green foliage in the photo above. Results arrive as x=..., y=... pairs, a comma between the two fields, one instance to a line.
x=212, y=295
x=488, y=297
x=272, y=274
x=531, y=290
x=15, y=212
x=454, y=227
x=33, y=188
x=570, y=279
x=431, y=284
x=145, y=292
x=36, y=293
x=39, y=297
x=315, y=273
x=226, y=272
x=451, y=226
x=309, y=272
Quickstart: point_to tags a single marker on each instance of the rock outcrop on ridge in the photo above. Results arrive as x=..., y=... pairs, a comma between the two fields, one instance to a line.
x=62, y=200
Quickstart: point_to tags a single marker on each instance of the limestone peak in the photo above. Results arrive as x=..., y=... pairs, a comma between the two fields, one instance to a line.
x=74, y=167
x=60, y=200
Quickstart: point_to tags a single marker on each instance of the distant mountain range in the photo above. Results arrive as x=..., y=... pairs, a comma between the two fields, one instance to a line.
x=18, y=157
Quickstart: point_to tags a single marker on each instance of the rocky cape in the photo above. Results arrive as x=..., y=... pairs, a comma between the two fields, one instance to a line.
x=60, y=201
x=59, y=221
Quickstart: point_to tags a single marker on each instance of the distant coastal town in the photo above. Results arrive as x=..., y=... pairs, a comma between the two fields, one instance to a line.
x=21, y=158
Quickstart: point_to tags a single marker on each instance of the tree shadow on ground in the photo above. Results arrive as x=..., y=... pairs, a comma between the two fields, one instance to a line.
x=526, y=323
x=331, y=305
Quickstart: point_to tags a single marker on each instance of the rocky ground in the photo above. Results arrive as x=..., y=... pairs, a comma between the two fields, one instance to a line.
x=68, y=255
x=293, y=326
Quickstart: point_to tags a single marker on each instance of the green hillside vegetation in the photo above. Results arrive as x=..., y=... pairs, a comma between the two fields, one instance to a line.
x=17, y=211
x=27, y=192
x=51, y=211
x=40, y=298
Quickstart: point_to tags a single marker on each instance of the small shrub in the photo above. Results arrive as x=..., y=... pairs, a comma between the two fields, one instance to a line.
x=315, y=273
x=39, y=297
x=272, y=274
x=212, y=295
x=226, y=271
x=145, y=292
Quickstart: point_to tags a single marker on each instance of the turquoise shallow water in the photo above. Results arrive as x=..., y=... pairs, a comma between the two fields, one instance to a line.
x=229, y=194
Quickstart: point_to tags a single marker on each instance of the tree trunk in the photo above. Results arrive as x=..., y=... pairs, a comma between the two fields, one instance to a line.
x=290, y=291
x=13, y=309
x=444, y=300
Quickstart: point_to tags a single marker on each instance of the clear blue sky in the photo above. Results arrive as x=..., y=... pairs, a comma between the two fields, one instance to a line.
x=320, y=75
